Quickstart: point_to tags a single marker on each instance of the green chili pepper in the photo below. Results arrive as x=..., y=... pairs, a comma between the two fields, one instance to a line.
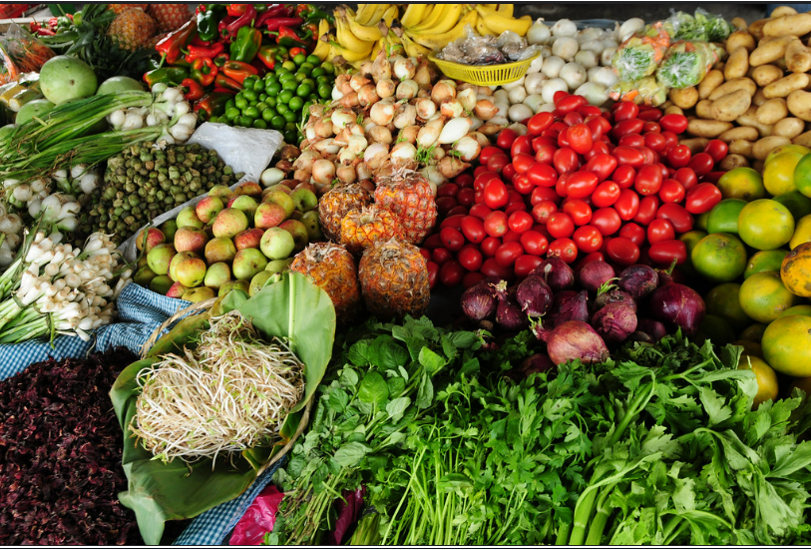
x=172, y=76
x=208, y=19
x=246, y=45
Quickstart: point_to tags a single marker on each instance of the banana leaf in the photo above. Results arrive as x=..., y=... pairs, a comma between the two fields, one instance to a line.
x=293, y=308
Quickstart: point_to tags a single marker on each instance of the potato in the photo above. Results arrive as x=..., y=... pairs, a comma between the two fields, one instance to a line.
x=738, y=64
x=803, y=139
x=764, y=146
x=704, y=109
x=740, y=24
x=673, y=110
x=769, y=51
x=711, y=81
x=789, y=127
x=696, y=145
x=756, y=28
x=788, y=25
x=758, y=166
x=746, y=133
x=685, y=98
x=749, y=118
x=740, y=39
x=799, y=104
x=766, y=74
x=707, y=128
x=786, y=85
x=741, y=147
x=733, y=161
x=731, y=106
x=780, y=11
x=798, y=57
x=772, y=112
x=733, y=86
x=759, y=99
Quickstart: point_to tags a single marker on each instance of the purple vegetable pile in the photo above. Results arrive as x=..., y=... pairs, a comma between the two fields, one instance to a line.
x=581, y=316
x=60, y=455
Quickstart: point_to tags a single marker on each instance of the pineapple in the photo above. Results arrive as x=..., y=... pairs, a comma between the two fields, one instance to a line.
x=360, y=229
x=337, y=203
x=132, y=29
x=332, y=268
x=409, y=195
x=394, y=280
x=169, y=17
x=118, y=8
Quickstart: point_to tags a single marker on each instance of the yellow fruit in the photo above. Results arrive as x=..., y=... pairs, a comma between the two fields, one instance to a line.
x=778, y=174
x=802, y=232
x=131, y=29
x=394, y=280
x=767, y=388
x=790, y=148
x=118, y=8
x=332, y=268
x=411, y=199
x=742, y=183
x=787, y=345
x=803, y=309
x=765, y=224
x=170, y=17
x=337, y=203
x=750, y=348
x=796, y=271
x=764, y=297
x=360, y=229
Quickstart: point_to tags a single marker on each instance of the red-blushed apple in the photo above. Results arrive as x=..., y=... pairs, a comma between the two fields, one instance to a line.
x=299, y=232
x=221, y=192
x=282, y=199
x=250, y=238
x=176, y=291
x=217, y=275
x=176, y=260
x=249, y=188
x=188, y=239
x=191, y=272
x=245, y=203
x=151, y=237
x=220, y=249
x=277, y=244
x=208, y=208
x=187, y=217
x=229, y=223
x=269, y=214
x=195, y=295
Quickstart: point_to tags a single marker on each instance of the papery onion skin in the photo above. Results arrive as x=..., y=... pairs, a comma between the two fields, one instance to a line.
x=557, y=274
x=678, y=306
x=479, y=302
x=615, y=323
x=575, y=341
x=595, y=274
x=639, y=281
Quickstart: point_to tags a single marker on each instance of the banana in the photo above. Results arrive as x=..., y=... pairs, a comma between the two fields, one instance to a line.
x=412, y=48
x=380, y=9
x=350, y=55
x=433, y=19
x=437, y=41
x=346, y=38
x=413, y=15
x=449, y=19
x=365, y=12
x=322, y=47
x=390, y=15
x=481, y=28
x=498, y=23
x=506, y=9
x=366, y=33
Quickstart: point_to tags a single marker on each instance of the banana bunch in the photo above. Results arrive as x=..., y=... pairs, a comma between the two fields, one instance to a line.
x=360, y=35
x=495, y=19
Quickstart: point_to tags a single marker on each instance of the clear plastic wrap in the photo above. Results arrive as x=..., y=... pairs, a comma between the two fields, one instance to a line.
x=702, y=26
x=645, y=91
x=21, y=53
x=487, y=50
x=639, y=56
x=686, y=63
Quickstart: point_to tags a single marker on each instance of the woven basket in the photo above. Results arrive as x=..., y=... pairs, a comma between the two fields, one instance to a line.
x=484, y=75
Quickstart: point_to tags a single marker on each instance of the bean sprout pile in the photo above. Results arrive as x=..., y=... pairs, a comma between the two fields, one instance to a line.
x=230, y=394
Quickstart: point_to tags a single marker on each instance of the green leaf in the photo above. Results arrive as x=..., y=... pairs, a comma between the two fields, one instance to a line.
x=338, y=400
x=714, y=404
x=387, y=354
x=351, y=454
x=431, y=360
x=373, y=388
x=396, y=407
x=425, y=393
x=349, y=378
x=359, y=354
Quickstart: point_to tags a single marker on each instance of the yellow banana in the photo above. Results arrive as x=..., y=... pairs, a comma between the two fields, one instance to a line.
x=321, y=47
x=364, y=13
x=346, y=38
x=412, y=48
x=390, y=15
x=379, y=46
x=413, y=15
x=437, y=15
x=380, y=9
x=366, y=33
x=481, y=28
x=498, y=24
x=393, y=44
x=350, y=55
x=437, y=41
x=506, y=9
x=448, y=21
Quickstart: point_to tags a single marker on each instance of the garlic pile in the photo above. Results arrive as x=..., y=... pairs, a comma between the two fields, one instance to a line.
x=169, y=110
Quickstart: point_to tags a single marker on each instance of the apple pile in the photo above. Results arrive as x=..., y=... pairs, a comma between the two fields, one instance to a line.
x=230, y=240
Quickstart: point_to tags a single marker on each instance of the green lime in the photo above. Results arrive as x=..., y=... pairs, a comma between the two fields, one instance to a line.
x=719, y=257
x=263, y=97
x=289, y=65
x=273, y=89
x=299, y=59
x=301, y=77
x=324, y=80
x=282, y=50
x=724, y=216
x=306, y=67
x=232, y=113
x=287, y=76
x=251, y=111
x=214, y=119
x=329, y=67
x=268, y=114
x=261, y=106
x=258, y=86
x=286, y=96
x=324, y=91
x=249, y=82
x=304, y=90
x=765, y=260
x=271, y=77
x=261, y=124
x=291, y=116
x=295, y=104
x=271, y=101
x=240, y=103
x=250, y=95
x=318, y=71
x=290, y=126
x=314, y=60
x=282, y=107
x=289, y=85
x=277, y=123
x=230, y=104
x=245, y=121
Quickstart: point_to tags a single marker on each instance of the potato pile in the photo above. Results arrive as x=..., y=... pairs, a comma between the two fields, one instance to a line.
x=758, y=98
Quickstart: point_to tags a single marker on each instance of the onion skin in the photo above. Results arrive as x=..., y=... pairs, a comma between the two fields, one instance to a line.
x=479, y=302
x=594, y=274
x=678, y=305
x=639, y=281
x=534, y=296
x=650, y=331
x=537, y=363
x=613, y=296
x=568, y=305
x=510, y=317
x=615, y=323
x=557, y=274
x=575, y=341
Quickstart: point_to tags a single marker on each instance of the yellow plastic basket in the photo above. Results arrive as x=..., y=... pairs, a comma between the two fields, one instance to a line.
x=485, y=75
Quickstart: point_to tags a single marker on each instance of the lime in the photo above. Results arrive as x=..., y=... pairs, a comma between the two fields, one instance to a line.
x=296, y=104
x=291, y=116
x=232, y=114
x=250, y=95
x=277, y=123
x=766, y=260
x=304, y=90
x=701, y=221
x=289, y=85
x=289, y=65
x=764, y=297
x=324, y=91
x=314, y=60
x=299, y=59
x=765, y=224
x=263, y=97
x=230, y=105
x=306, y=68
x=719, y=257
x=261, y=124
x=318, y=71
x=273, y=89
x=258, y=86
x=724, y=216
x=245, y=121
x=290, y=127
x=282, y=107
x=790, y=148
x=798, y=204
x=329, y=67
x=251, y=111
x=286, y=96
x=268, y=114
x=249, y=82
x=261, y=106
x=240, y=103
x=300, y=77
x=802, y=176
x=804, y=309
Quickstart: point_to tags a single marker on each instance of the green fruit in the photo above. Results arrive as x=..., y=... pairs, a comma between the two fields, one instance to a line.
x=63, y=78
x=118, y=84
x=719, y=257
x=35, y=108
x=724, y=216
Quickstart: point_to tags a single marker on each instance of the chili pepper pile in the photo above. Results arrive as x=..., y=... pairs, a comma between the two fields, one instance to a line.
x=581, y=185
x=212, y=55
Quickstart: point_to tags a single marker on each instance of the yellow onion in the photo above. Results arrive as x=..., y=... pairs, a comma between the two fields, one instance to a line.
x=381, y=68
x=350, y=100
x=406, y=117
x=425, y=108
x=385, y=88
x=363, y=171
x=409, y=133
x=368, y=95
x=468, y=98
x=424, y=74
x=358, y=81
x=342, y=83
x=380, y=134
x=323, y=128
x=468, y=148
x=327, y=146
x=485, y=109
x=407, y=89
x=490, y=129
x=305, y=160
x=433, y=177
x=404, y=69
x=442, y=90
x=450, y=167
x=341, y=117
x=382, y=112
x=323, y=172
x=483, y=140
x=429, y=134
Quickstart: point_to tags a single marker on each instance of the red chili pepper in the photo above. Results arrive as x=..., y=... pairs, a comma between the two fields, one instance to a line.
x=222, y=27
x=195, y=92
x=204, y=71
x=244, y=19
x=237, y=10
x=197, y=52
x=238, y=70
x=295, y=51
x=217, y=89
x=171, y=47
x=277, y=10
x=277, y=23
x=46, y=32
x=222, y=81
x=213, y=104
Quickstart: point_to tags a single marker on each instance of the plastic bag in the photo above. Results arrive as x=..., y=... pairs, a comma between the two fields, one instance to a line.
x=639, y=56
x=487, y=50
x=259, y=518
x=21, y=53
x=702, y=26
x=686, y=63
x=645, y=91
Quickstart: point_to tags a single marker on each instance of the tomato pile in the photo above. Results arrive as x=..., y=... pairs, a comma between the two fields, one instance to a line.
x=583, y=184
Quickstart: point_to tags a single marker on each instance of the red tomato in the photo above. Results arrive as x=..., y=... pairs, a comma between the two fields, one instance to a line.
x=495, y=194
x=647, y=210
x=579, y=211
x=540, y=194
x=648, y=180
x=560, y=225
x=680, y=219
x=507, y=253
x=539, y=123
x=525, y=264
x=471, y=258
x=671, y=191
x=589, y=111
x=580, y=137
x=534, y=243
x=514, y=196
x=701, y=164
x=568, y=103
x=651, y=127
x=543, y=175
x=464, y=180
x=671, y=139
x=488, y=152
x=625, y=110
x=520, y=222
x=660, y=230
x=451, y=274
x=458, y=211
x=648, y=156
x=713, y=177
x=433, y=274
x=515, y=207
x=543, y=210
x=717, y=149
x=702, y=198
x=674, y=123
x=601, y=165
x=523, y=162
x=599, y=148
x=445, y=205
x=631, y=140
x=441, y=255
x=554, y=131
x=505, y=138
x=627, y=127
x=480, y=211
x=606, y=194
x=607, y=221
x=481, y=180
x=678, y=156
x=634, y=233
x=624, y=176
x=627, y=205
x=498, y=162
x=663, y=253
x=588, y=239
x=573, y=119
x=522, y=144
x=622, y=251
x=452, y=221
x=565, y=160
x=472, y=279
x=650, y=115
x=655, y=142
x=426, y=253
x=480, y=169
x=687, y=177
x=473, y=229
x=598, y=126
x=509, y=172
x=489, y=246
x=447, y=190
x=565, y=249
x=545, y=153
x=627, y=155
x=495, y=224
x=581, y=185
x=491, y=268
x=466, y=197
x=432, y=242
x=560, y=186
x=522, y=184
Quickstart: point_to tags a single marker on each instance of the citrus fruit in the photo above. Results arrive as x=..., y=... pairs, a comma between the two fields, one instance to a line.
x=802, y=232
x=802, y=175
x=715, y=329
x=719, y=257
x=787, y=345
x=690, y=239
x=750, y=348
x=765, y=260
x=798, y=204
x=742, y=183
x=803, y=309
x=723, y=300
x=754, y=332
x=766, y=378
x=765, y=224
x=789, y=148
x=796, y=270
x=763, y=297
x=701, y=221
x=778, y=173
x=724, y=216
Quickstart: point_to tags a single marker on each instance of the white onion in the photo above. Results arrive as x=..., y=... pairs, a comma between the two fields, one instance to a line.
x=503, y=109
x=88, y=183
x=574, y=75
x=116, y=118
x=406, y=117
x=375, y=154
x=454, y=130
x=534, y=102
x=587, y=59
x=425, y=108
x=518, y=95
x=607, y=56
x=382, y=113
x=407, y=89
x=468, y=148
x=564, y=27
x=323, y=172
x=501, y=95
x=336, y=94
x=552, y=66
x=538, y=33
x=533, y=83
x=605, y=76
x=516, y=84
x=520, y=112
x=468, y=99
x=630, y=27
x=475, y=122
x=565, y=47
x=518, y=128
x=537, y=64
x=595, y=93
x=404, y=69
x=403, y=151
x=552, y=86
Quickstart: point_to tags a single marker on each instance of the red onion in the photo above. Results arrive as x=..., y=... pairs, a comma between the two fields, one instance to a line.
x=568, y=305
x=614, y=296
x=537, y=363
x=649, y=330
x=639, y=281
x=508, y=315
x=615, y=322
x=678, y=305
x=594, y=275
x=557, y=274
x=534, y=296
x=479, y=302
x=575, y=340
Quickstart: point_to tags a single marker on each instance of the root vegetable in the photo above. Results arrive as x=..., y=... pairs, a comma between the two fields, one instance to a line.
x=551, y=87
x=407, y=89
x=451, y=108
x=374, y=156
x=409, y=133
x=454, y=130
x=468, y=148
x=533, y=83
x=442, y=90
x=404, y=69
x=587, y=59
x=564, y=27
x=368, y=95
x=552, y=66
x=385, y=88
x=450, y=167
x=574, y=341
x=382, y=112
x=518, y=95
x=468, y=99
x=534, y=102
x=595, y=93
x=403, y=151
x=346, y=174
x=565, y=48
x=380, y=134
x=323, y=172
x=406, y=117
x=538, y=33
x=605, y=76
x=425, y=108
x=520, y=112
